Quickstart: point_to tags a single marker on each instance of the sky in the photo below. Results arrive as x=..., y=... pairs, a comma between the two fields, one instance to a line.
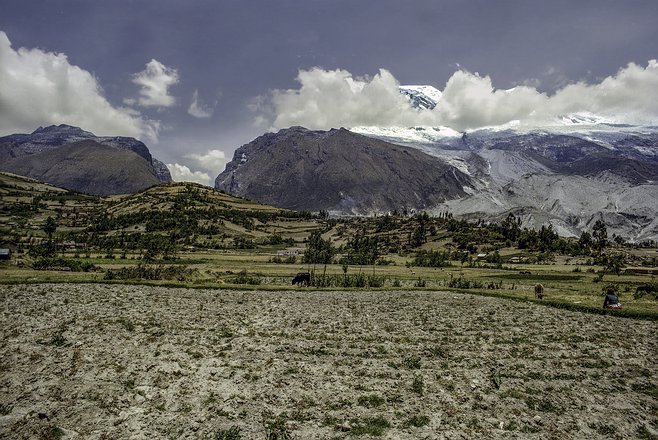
x=195, y=79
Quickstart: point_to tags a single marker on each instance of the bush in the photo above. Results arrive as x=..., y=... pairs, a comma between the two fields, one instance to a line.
x=461, y=283
x=244, y=278
x=359, y=280
x=55, y=263
x=147, y=272
x=375, y=426
x=233, y=433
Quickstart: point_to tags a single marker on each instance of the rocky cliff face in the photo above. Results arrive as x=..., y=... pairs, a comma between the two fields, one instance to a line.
x=75, y=159
x=54, y=136
x=340, y=171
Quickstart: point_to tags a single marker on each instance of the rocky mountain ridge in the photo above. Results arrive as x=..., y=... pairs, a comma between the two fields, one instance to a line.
x=76, y=159
x=47, y=138
x=567, y=176
x=338, y=171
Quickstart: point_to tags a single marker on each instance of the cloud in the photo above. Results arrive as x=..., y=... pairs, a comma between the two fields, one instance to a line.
x=334, y=98
x=181, y=173
x=213, y=161
x=198, y=109
x=155, y=81
x=43, y=88
x=470, y=101
x=629, y=96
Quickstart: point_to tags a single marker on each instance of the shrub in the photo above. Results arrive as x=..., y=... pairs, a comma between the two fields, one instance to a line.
x=371, y=400
x=147, y=272
x=418, y=385
x=416, y=421
x=244, y=278
x=55, y=263
x=375, y=426
x=276, y=428
x=232, y=433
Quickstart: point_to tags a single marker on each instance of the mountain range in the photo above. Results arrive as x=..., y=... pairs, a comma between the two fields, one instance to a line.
x=75, y=159
x=569, y=174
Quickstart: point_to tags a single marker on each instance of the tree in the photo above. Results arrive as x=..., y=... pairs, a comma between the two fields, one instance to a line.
x=49, y=228
x=510, y=228
x=318, y=250
x=600, y=235
x=614, y=264
x=585, y=240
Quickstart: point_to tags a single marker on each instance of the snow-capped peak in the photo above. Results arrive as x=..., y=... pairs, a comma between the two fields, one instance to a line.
x=422, y=97
x=583, y=118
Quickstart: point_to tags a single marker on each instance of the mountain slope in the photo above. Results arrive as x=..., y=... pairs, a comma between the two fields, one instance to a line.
x=338, y=170
x=567, y=176
x=86, y=166
x=54, y=136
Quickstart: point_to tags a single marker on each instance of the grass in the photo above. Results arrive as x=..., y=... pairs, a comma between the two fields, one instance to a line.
x=277, y=428
x=417, y=421
x=253, y=270
x=232, y=433
x=371, y=401
x=374, y=426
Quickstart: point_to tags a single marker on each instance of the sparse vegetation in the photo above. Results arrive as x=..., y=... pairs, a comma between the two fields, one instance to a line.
x=326, y=364
x=374, y=426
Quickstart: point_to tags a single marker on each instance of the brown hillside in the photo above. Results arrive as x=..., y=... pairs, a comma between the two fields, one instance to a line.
x=338, y=170
x=88, y=167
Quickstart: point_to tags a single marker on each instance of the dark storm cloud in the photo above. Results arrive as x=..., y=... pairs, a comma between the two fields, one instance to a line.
x=227, y=52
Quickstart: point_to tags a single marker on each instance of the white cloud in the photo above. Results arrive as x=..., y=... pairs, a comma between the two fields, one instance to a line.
x=181, y=173
x=335, y=98
x=470, y=101
x=198, y=109
x=213, y=161
x=155, y=81
x=629, y=96
x=43, y=88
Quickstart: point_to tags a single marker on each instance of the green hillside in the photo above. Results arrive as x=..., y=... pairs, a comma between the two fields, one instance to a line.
x=188, y=234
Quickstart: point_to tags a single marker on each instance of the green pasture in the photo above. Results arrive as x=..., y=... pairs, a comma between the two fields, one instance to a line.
x=564, y=288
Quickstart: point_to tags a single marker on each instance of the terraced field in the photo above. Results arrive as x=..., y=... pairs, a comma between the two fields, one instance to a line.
x=138, y=362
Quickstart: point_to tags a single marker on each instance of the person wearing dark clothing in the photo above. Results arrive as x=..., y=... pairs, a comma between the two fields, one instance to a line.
x=611, y=300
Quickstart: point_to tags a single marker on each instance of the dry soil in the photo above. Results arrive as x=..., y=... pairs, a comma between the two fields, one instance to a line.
x=136, y=362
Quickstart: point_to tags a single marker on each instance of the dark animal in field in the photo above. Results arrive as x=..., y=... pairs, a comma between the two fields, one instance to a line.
x=646, y=289
x=525, y=272
x=539, y=291
x=302, y=278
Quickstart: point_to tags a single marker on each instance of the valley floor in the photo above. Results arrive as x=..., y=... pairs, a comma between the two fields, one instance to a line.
x=138, y=362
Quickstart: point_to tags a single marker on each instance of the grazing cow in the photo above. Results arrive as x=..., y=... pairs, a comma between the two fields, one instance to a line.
x=539, y=291
x=302, y=278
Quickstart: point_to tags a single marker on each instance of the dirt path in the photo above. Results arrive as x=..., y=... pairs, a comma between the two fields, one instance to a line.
x=137, y=362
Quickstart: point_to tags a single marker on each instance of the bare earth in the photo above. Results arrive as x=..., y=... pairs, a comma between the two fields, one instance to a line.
x=138, y=362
